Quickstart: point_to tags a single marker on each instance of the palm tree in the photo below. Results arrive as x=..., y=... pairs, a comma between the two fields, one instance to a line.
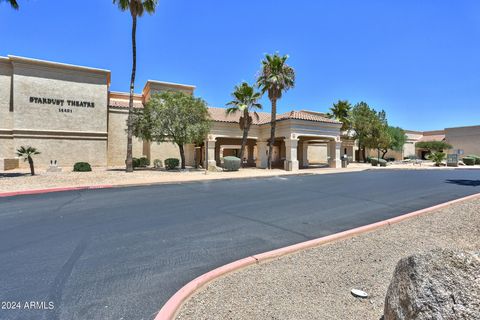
x=136, y=8
x=275, y=77
x=244, y=101
x=26, y=153
x=13, y=3
x=341, y=111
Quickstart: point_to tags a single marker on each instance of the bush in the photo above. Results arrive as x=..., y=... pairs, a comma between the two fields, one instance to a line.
x=82, y=167
x=375, y=162
x=140, y=162
x=469, y=161
x=477, y=158
x=231, y=163
x=171, y=163
x=157, y=163
x=368, y=159
x=391, y=159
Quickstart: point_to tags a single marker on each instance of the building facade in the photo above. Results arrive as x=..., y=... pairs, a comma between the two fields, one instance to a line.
x=69, y=114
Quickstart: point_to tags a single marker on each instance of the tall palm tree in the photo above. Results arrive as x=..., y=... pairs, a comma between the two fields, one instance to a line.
x=245, y=100
x=341, y=111
x=136, y=9
x=26, y=153
x=13, y=3
x=275, y=78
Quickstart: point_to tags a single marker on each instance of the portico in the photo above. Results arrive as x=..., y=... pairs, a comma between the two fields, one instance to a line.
x=296, y=132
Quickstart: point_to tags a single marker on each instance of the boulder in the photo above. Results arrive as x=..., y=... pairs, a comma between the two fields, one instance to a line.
x=440, y=284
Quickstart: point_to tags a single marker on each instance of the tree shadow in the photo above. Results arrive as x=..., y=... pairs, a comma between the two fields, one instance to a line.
x=12, y=175
x=464, y=182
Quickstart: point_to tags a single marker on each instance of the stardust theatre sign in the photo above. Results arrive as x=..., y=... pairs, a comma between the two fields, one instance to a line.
x=62, y=104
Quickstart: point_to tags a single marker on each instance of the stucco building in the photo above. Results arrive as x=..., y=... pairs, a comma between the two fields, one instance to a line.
x=69, y=114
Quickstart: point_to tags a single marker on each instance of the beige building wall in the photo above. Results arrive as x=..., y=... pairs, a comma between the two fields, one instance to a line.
x=317, y=153
x=61, y=110
x=117, y=138
x=464, y=138
x=6, y=109
x=165, y=150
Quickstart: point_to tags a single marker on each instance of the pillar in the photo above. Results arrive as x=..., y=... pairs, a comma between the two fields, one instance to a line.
x=334, y=150
x=262, y=157
x=291, y=160
x=211, y=142
x=250, y=161
x=305, y=154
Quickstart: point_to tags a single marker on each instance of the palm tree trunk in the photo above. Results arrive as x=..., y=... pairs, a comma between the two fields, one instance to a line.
x=32, y=168
x=273, y=122
x=246, y=127
x=182, y=155
x=128, y=161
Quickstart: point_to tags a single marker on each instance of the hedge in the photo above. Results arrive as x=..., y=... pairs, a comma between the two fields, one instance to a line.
x=469, y=161
x=82, y=167
x=171, y=163
x=376, y=161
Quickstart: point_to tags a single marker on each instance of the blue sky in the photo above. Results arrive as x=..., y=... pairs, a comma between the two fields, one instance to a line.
x=417, y=59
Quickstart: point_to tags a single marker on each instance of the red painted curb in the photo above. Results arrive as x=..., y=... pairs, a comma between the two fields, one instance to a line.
x=170, y=309
x=40, y=191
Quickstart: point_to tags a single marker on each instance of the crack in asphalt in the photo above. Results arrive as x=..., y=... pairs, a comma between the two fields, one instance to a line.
x=56, y=289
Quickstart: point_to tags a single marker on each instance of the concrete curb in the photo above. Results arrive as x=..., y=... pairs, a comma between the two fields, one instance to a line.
x=173, y=305
x=49, y=190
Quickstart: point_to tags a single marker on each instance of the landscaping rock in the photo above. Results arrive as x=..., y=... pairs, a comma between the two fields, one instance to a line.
x=440, y=284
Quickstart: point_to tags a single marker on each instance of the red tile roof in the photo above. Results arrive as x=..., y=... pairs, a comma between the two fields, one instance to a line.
x=124, y=104
x=218, y=114
x=437, y=137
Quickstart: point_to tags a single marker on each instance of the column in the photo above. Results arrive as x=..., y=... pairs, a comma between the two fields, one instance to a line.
x=211, y=142
x=291, y=162
x=249, y=147
x=262, y=157
x=305, y=154
x=334, y=150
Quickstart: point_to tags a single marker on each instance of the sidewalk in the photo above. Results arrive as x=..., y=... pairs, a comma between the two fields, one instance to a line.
x=316, y=283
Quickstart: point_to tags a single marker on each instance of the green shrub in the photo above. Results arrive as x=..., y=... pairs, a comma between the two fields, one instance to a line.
x=157, y=163
x=231, y=163
x=437, y=157
x=469, y=161
x=375, y=162
x=477, y=158
x=140, y=162
x=171, y=163
x=82, y=167
x=390, y=159
x=368, y=159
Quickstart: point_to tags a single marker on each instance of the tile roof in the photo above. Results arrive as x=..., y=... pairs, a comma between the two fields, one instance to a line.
x=437, y=137
x=218, y=114
x=124, y=104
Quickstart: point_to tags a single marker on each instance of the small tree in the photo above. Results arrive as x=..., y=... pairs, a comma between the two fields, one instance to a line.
x=433, y=146
x=175, y=117
x=362, y=117
x=397, y=139
x=437, y=158
x=26, y=153
x=377, y=136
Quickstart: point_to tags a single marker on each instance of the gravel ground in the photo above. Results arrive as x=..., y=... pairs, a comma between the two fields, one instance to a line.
x=316, y=283
x=20, y=179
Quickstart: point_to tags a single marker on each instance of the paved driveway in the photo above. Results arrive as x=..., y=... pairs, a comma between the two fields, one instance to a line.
x=121, y=253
